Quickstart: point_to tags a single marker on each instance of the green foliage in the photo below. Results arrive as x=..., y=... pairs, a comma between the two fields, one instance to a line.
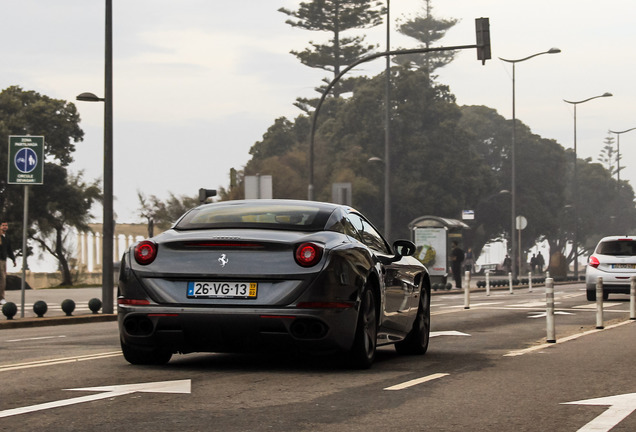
x=426, y=29
x=64, y=200
x=608, y=155
x=165, y=213
x=335, y=17
x=30, y=113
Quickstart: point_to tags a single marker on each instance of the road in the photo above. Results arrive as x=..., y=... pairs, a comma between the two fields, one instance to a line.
x=488, y=368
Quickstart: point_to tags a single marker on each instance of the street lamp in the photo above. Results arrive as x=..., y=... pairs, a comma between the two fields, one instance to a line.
x=618, y=152
x=513, y=189
x=387, y=129
x=575, y=241
x=108, y=230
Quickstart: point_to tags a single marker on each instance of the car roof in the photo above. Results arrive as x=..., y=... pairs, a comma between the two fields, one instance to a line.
x=614, y=238
x=267, y=202
x=261, y=214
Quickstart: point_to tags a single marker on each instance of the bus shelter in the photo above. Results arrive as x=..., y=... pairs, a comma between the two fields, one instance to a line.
x=433, y=236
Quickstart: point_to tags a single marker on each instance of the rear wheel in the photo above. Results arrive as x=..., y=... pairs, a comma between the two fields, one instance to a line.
x=145, y=356
x=591, y=293
x=416, y=342
x=364, y=347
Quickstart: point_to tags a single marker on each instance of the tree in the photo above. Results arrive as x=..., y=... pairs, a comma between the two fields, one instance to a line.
x=608, y=155
x=165, y=213
x=335, y=17
x=435, y=167
x=30, y=113
x=426, y=29
x=541, y=185
x=67, y=201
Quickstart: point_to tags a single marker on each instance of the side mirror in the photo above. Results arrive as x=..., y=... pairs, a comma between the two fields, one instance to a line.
x=403, y=248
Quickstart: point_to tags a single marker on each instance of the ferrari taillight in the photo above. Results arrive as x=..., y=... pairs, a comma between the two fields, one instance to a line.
x=308, y=254
x=594, y=262
x=145, y=252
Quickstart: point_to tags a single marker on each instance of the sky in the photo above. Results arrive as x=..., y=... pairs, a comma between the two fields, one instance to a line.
x=197, y=82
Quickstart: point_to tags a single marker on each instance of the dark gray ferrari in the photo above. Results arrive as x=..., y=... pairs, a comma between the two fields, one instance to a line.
x=251, y=275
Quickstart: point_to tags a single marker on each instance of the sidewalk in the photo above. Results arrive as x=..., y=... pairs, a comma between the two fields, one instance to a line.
x=54, y=314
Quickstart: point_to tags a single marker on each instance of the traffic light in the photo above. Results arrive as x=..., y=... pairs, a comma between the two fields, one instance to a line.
x=482, y=27
x=205, y=194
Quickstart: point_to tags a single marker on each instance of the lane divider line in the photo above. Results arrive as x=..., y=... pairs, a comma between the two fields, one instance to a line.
x=417, y=381
x=562, y=340
x=50, y=362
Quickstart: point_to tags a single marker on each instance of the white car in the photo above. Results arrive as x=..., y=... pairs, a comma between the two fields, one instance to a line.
x=614, y=260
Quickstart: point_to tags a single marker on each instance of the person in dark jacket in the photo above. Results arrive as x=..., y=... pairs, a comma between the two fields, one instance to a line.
x=456, y=259
x=6, y=251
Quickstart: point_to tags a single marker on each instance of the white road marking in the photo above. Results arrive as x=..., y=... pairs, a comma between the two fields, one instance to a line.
x=181, y=386
x=620, y=407
x=474, y=305
x=417, y=381
x=562, y=340
x=544, y=314
x=536, y=304
x=36, y=338
x=448, y=333
x=62, y=360
x=593, y=305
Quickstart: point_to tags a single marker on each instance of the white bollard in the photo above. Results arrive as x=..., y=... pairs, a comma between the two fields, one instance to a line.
x=488, y=282
x=529, y=281
x=632, y=299
x=547, y=274
x=599, y=303
x=467, y=290
x=549, y=315
x=510, y=282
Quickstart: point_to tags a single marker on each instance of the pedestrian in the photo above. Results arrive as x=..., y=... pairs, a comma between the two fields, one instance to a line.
x=507, y=264
x=6, y=251
x=533, y=263
x=469, y=261
x=456, y=258
x=540, y=262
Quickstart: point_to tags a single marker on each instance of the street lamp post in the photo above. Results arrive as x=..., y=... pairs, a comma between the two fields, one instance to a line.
x=618, y=152
x=108, y=230
x=513, y=189
x=575, y=241
x=387, y=130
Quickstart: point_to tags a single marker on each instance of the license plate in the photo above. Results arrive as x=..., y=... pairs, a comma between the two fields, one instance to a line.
x=623, y=266
x=229, y=290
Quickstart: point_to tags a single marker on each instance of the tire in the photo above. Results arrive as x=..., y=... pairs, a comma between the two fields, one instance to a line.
x=145, y=356
x=364, y=347
x=591, y=293
x=416, y=341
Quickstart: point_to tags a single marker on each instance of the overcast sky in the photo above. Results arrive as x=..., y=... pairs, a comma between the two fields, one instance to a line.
x=198, y=82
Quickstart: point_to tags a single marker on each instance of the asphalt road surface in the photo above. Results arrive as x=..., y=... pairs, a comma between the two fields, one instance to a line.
x=488, y=368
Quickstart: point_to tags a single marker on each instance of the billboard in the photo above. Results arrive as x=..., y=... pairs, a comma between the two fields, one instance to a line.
x=430, y=249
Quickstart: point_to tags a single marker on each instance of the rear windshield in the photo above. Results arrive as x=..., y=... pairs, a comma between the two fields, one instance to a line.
x=617, y=247
x=270, y=216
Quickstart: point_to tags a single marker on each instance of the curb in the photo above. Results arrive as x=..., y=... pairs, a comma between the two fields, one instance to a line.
x=56, y=320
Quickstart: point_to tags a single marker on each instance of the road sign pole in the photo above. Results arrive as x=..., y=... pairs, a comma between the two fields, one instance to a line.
x=25, y=220
x=26, y=167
